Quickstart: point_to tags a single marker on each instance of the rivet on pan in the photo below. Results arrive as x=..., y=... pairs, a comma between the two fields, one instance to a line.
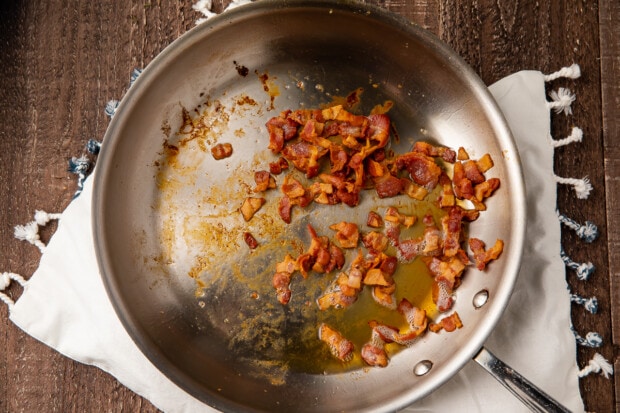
x=422, y=368
x=480, y=299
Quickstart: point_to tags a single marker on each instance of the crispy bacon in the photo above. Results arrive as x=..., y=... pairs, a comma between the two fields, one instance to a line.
x=429, y=244
x=374, y=220
x=373, y=352
x=250, y=240
x=451, y=225
x=221, y=151
x=427, y=149
x=339, y=346
x=281, y=129
x=277, y=167
x=388, y=185
x=448, y=323
x=250, y=207
x=481, y=256
x=347, y=234
x=375, y=241
x=422, y=169
x=264, y=181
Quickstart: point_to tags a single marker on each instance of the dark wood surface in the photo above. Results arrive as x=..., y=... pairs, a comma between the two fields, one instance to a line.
x=62, y=60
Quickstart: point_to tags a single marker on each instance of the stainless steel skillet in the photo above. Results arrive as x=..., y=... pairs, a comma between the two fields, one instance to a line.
x=167, y=231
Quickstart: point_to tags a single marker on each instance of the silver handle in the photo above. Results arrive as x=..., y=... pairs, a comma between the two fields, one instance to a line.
x=533, y=397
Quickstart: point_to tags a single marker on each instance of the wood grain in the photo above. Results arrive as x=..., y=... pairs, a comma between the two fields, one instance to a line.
x=62, y=60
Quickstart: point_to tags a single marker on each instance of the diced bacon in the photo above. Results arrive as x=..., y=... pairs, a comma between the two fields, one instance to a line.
x=250, y=240
x=384, y=295
x=485, y=189
x=379, y=129
x=347, y=234
x=388, y=185
x=472, y=172
x=481, y=256
x=463, y=187
x=338, y=158
x=292, y=188
x=374, y=220
x=422, y=169
x=281, y=282
x=277, y=167
x=448, y=323
x=264, y=181
x=221, y=151
x=373, y=352
x=427, y=149
x=280, y=130
x=284, y=209
x=451, y=225
x=339, y=346
x=250, y=207
x=375, y=241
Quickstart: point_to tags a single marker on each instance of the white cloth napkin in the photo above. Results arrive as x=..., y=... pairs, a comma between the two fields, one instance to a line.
x=64, y=303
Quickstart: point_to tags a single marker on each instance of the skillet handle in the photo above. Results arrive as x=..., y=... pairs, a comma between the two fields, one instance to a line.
x=534, y=398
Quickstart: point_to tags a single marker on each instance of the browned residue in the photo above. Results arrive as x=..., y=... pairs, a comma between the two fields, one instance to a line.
x=269, y=87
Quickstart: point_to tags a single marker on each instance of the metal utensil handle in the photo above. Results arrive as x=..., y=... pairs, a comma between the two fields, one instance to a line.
x=533, y=397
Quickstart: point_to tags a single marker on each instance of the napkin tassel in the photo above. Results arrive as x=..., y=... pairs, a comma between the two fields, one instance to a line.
x=30, y=231
x=598, y=364
x=590, y=304
x=112, y=105
x=205, y=7
x=587, y=232
x=5, y=282
x=584, y=270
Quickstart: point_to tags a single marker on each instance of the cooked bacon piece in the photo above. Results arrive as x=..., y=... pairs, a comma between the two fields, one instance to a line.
x=485, y=189
x=463, y=187
x=472, y=172
x=451, y=225
x=277, y=167
x=374, y=220
x=413, y=190
x=281, y=129
x=375, y=169
x=393, y=216
x=338, y=158
x=379, y=129
x=348, y=197
x=384, y=295
x=462, y=154
x=292, y=188
x=429, y=244
x=447, y=197
x=485, y=163
x=250, y=240
x=387, y=185
x=373, y=352
x=301, y=116
x=336, y=259
x=442, y=295
x=375, y=276
x=264, y=181
x=304, y=156
x=482, y=256
x=422, y=169
x=427, y=149
x=221, y=151
x=375, y=241
x=448, y=323
x=281, y=282
x=284, y=209
x=340, y=114
x=250, y=207
x=319, y=251
x=339, y=346
x=347, y=234
x=335, y=299
x=282, y=278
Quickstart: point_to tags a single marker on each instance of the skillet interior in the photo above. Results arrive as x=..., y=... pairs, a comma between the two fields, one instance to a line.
x=149, y=224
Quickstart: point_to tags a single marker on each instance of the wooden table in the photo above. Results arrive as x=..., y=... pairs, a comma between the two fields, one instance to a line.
x=62, y=60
